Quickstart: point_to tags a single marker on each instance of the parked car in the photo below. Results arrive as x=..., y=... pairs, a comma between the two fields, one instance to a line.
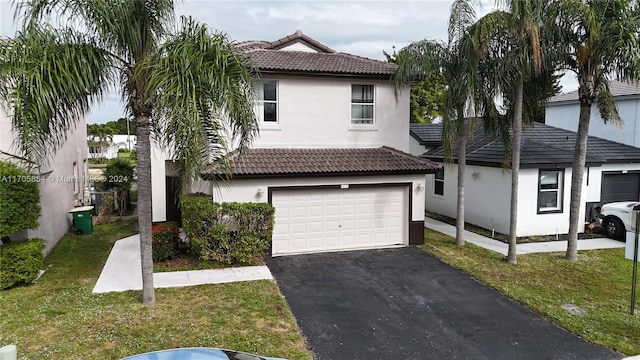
x=197, y=354
x=616, y=218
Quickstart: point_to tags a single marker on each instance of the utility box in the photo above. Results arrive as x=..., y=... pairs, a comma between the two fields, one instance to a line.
x=82, y=219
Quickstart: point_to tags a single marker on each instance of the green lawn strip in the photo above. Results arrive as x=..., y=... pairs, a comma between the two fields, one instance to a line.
x=599, y=283
x=59, y=317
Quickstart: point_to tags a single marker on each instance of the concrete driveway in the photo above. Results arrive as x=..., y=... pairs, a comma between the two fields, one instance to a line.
x=405, y=304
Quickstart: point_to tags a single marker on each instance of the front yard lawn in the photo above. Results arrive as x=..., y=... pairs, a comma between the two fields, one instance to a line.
x=59, y=317
x=599, y=283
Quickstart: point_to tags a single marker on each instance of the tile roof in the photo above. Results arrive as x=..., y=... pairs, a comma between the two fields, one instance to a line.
x=543, y=146
x=618, y=88
x=288, y=162
x=298, y=36
x=268, y=58
x=426, y=135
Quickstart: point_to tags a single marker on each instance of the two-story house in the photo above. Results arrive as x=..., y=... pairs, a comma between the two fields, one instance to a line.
x=331, y=155
x=563, y=110
x=61, y=183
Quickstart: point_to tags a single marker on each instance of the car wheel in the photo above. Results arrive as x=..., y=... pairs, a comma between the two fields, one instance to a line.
x=613, y=228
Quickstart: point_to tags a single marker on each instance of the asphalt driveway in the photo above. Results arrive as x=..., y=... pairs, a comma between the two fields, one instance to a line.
x=405, y=304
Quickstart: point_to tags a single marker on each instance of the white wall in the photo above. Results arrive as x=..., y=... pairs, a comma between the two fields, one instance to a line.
x=57, y=192
x=247, y=190
x=316, y=113
x=565, y=116
x=158, y=183
x=488, y=197
x=415, y=148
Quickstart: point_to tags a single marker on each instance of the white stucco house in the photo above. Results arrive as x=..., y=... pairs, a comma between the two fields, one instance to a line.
x=62, y=182
x=114, y=143
x=332, y=154
x=612, y=174
x=563, y=110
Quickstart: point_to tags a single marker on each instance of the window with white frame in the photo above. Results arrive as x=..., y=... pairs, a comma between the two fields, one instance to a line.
x=550, y=191
x=362, y=104
x=438, y=182
x=267, y=104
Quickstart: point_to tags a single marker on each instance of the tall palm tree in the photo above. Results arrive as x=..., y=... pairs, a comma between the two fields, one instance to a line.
x=599, y=41
x=187, y=87
x=511, y=36
x=456, y=62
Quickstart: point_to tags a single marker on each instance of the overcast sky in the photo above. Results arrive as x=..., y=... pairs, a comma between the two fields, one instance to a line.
x=364, y=28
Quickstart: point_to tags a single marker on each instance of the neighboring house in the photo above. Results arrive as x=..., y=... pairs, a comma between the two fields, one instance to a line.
x=62, y=181
x=612, y=174
x=331, y=155
x=563, y=111
x=108, y=148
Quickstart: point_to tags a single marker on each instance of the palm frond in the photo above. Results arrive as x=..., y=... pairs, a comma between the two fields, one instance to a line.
x=53, y=77
x=607, y=105
x=200, y=89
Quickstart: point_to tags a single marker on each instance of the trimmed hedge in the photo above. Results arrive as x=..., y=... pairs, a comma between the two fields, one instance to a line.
x=231, y=233
x=19, y=199
x=20, y=262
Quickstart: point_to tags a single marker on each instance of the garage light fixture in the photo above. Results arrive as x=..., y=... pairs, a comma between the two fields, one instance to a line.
x=260, y=192
x=419, y=187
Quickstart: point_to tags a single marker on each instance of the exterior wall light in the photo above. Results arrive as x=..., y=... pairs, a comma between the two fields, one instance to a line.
x=260, y=192
x=419, y=186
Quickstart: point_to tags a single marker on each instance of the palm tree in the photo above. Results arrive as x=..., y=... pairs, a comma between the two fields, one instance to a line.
x=187, y=87
x=511, y=36
x=599, y=41
x=101, y=136
x=456, y=63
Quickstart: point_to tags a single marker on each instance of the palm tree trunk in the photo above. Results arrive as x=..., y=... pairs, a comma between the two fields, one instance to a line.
x=512, y=256
x=144, y=207
x=577, y=175
x=462, y=164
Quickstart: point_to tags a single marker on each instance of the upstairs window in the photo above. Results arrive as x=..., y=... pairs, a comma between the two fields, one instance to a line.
x=438, y=182
x=362, y=104
x=550, y=191
x=267, y=105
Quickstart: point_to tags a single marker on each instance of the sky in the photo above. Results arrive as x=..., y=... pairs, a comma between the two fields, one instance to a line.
x=363, y=28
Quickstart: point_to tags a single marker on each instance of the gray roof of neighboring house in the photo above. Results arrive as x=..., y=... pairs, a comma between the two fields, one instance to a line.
x=426, y=135
x=543, y=146
x=289, y=162
x=268, y=57
x=618, y=88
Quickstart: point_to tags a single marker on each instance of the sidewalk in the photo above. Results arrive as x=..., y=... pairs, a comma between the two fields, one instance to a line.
x=538, y=247
x=122, y=272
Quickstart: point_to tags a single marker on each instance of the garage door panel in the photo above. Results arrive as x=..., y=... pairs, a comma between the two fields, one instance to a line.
x=338, y=219
x=620, y=187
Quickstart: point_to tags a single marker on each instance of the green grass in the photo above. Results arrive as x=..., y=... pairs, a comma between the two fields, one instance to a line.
x=599, y=283
x=59, y=317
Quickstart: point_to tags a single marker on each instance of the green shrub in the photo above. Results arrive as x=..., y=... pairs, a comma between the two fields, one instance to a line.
x=231, y=233
x=20, y=262
x=164, y=241
x=19, y=199
x=118, y=176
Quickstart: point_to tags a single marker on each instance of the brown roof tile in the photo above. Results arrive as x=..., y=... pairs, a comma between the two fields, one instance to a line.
x=287, y=162
x=320, y=63
x=268, y=58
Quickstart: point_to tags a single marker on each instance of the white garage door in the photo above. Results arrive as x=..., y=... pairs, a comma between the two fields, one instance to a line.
x=338, y=219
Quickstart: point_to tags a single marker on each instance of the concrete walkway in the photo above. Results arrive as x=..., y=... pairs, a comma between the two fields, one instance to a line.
x=538, y=247
x=122, y=272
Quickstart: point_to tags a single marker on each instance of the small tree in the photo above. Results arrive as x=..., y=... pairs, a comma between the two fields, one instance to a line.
x=19, y=200
x=118, y=176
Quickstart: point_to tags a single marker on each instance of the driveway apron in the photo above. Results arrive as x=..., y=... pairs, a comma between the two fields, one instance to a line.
x=403, y=303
